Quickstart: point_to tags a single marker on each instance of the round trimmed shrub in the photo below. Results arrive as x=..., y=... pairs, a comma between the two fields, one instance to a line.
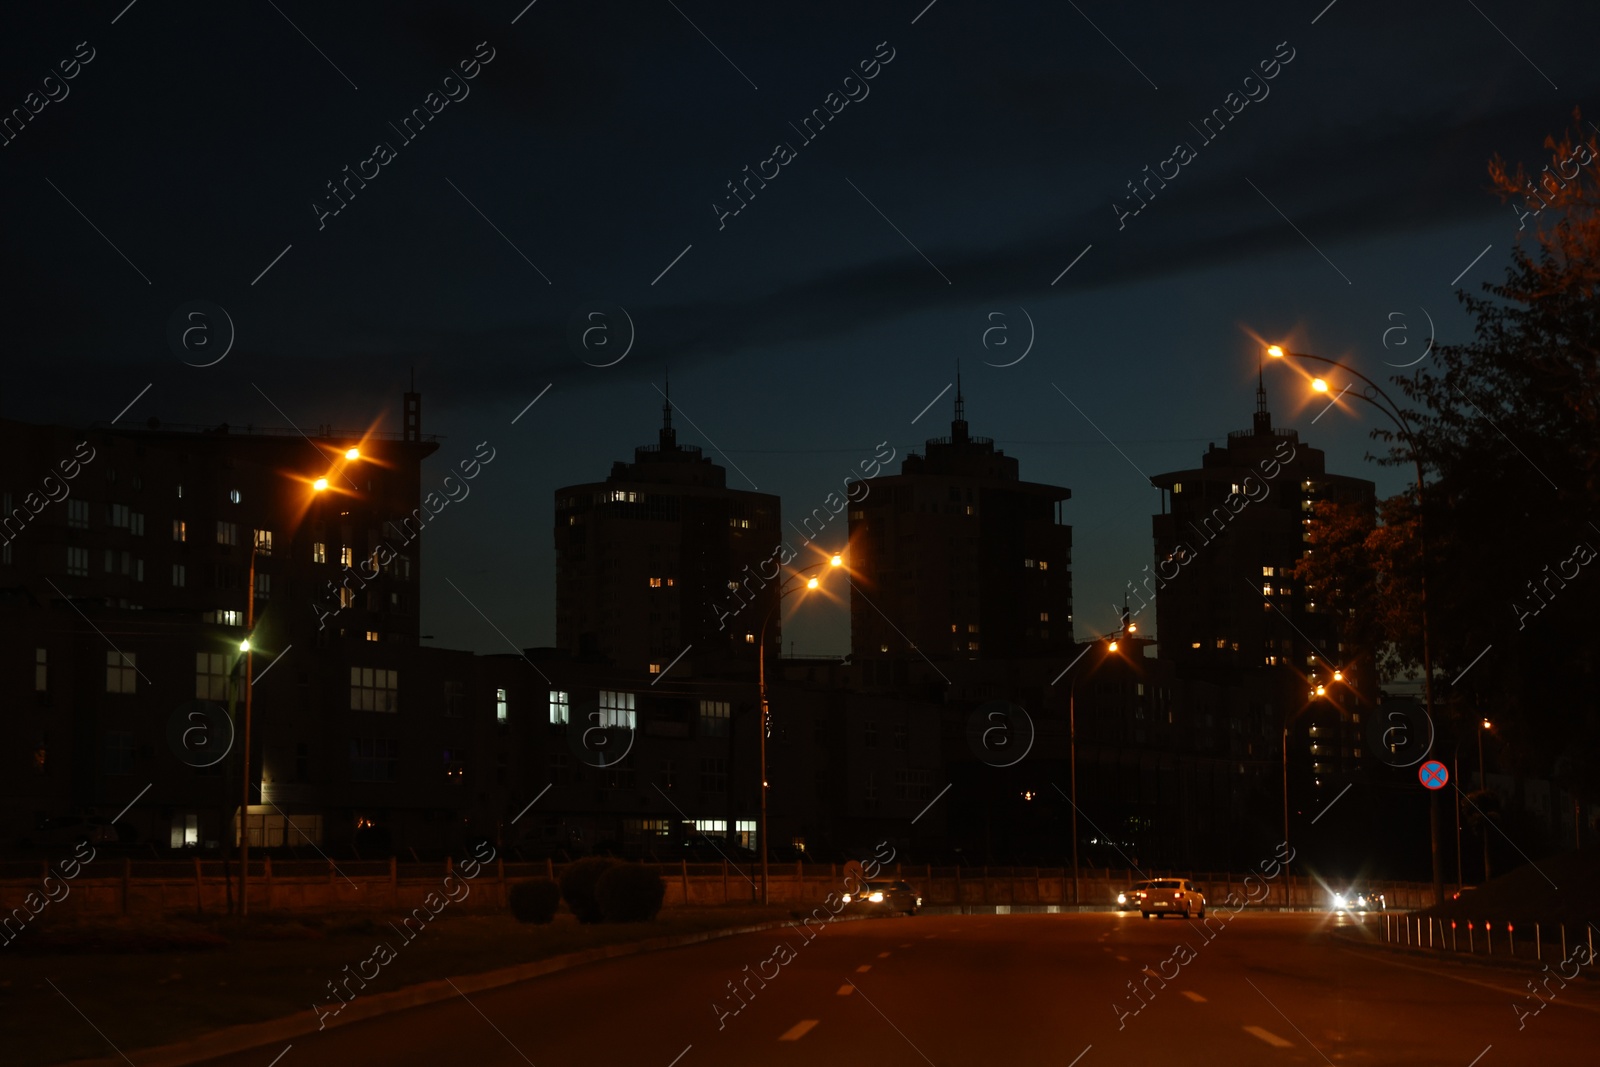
x=535, y=901
x=630, y=893
x=578, y=887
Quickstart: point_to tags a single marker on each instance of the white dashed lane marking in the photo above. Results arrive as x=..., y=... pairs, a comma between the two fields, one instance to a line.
x=1269, y=1037
x=802, y=1028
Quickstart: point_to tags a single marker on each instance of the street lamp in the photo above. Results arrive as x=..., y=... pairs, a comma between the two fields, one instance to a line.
x=1483, y=783
x=811, y=582
x=1072, y=761
x=1392, y=411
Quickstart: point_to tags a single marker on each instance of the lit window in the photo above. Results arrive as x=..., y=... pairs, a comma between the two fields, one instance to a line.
x=180, y=530
x=233, y=495
x=347, y=597
x=671, y=582
x=655, y=583
x=77, y=514
x=41, y=670
x=121, y=668
x=749, y=639
x=374, y=689
x=1044, y=565
x=346, y=556
x=560, y=707
x=1266, y=590
x=972, y=646
x=655, y=668
x=264, y=542
x=1177, y=487
x=952, y=627
x=972, y=627
x=970, y=511
x=180, y=575
x=227, y=533
x=616, y=709
x=499, y=705
x=210, y=676
x=1044, y=616
x=1028, y=563
x=1195, y=645
x=372, y=635
x=714, y=718
x=1266, y=572
x=319, y=552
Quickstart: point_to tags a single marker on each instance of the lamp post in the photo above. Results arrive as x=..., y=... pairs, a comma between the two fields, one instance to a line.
x=1392, y=411
x=244, y=774
x=1484, y=726
x=1072, y=752
x=811, y=582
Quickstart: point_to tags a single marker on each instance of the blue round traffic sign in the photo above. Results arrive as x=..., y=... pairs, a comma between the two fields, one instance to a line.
x=1433, y=774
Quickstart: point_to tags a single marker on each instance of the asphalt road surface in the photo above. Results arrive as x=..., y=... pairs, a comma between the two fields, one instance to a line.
x=1269, y=989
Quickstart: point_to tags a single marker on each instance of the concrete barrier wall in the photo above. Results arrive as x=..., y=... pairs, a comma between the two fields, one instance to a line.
x=120, y=888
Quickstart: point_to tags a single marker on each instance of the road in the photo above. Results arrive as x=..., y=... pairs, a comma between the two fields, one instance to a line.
x=1267, y=989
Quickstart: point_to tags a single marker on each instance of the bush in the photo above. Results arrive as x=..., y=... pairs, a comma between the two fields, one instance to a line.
x=630, y=893
x=578, y=887
x=535, y=901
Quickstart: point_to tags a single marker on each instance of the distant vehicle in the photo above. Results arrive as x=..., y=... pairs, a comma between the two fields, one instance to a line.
x=1173, y=896
x=1463, y=891
x=1356, y=899
x=884, y=897
x=1132, y=897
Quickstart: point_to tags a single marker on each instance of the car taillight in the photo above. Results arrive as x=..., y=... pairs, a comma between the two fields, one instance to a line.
x=876, y=898
x=847, y=898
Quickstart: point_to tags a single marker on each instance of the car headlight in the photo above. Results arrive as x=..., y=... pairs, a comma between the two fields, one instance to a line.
x=876, y=898
x=1122, y=898
x=919, y=902
x=847, y=898
x=1338, y=900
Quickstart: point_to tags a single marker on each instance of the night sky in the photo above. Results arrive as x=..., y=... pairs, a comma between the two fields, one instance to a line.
x=584, y=167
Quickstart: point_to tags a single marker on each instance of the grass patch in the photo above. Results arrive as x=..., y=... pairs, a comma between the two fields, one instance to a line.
x=152, y=983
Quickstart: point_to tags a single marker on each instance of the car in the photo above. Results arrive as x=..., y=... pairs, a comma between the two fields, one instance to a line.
x=1357, y=899
x=884, y=896
x=1173, y=896
x=1130, y=898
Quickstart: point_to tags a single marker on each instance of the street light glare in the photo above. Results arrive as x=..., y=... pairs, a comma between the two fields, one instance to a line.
x=1133, y=627
x=811, y=583
x=1113, y=646
x=244, y=646
x=1275, y=351
x=1487, y=725
x=1319, y=384
x=836, y=560
x=320, y=484
x=1338, y=676
x=352, y=453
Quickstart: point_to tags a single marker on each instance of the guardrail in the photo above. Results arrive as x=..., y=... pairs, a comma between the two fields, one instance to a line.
x=1487, y=938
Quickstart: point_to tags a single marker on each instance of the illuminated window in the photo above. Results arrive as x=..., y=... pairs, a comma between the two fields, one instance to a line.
x=372, y=635
x=347, y=597
x=1266, y=572
x=714, y=718
x=1044, y=616
x=263, y=542
x=1028, y=563
x=671, y=582
x=499, y=705
x=319, y=552
x=972, y=627
x=346, y=556
x=180, y=530
x=1177, y=487
x=749, y=639
x=560, y=707
x=121, y=669
x=655, y=668
x=233, y=495
x=616, y=709
x=374, y=689
x=655, y=583
x=972, y=646
x=1044, y=565
x=1195, y=645
x=1266, y=590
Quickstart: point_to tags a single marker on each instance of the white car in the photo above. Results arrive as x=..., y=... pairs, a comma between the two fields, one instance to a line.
x=1173, y=896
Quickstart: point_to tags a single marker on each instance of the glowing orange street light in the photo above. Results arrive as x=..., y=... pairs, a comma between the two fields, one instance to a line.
x=811, y=583
x=836, y=560
x=1275, y=351
x=320, y=484
x=1319, y=384
x=352, y=453
x=1112, y=646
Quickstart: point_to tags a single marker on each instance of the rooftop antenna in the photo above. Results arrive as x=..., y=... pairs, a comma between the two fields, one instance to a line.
x=960, y=404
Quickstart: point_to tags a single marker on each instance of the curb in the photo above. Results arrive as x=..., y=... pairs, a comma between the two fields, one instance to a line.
x=252, y=1035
